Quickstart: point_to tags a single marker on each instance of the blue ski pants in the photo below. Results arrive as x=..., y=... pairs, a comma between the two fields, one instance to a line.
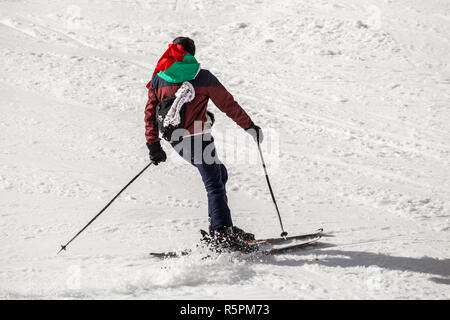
x=200, y=151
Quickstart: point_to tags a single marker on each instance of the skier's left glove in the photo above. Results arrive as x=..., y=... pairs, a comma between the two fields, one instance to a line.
x=156, y=153
x=255, y=132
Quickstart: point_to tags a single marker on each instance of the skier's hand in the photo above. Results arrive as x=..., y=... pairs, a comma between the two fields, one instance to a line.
x=256, y=133
x=212, y=117
x=156, y=153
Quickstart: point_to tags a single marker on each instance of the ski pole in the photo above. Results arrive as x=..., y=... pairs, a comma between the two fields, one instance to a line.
x=283, y=233
x=63, y=247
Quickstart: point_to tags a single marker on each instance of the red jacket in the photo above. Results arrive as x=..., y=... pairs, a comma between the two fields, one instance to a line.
x=206, y=86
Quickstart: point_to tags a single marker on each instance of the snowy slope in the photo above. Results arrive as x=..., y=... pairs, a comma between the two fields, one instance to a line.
x=353, y=95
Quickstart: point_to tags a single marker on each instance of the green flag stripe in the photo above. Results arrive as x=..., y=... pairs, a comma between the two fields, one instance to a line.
x=181, y=71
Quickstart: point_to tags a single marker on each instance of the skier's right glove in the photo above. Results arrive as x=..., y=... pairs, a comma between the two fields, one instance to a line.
x=156, y=153
x=255, y=132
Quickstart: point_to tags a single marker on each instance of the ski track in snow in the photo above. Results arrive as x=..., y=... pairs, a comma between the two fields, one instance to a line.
x=356, y=95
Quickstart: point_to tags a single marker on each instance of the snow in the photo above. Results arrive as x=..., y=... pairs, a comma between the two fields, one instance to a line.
x=354, y=101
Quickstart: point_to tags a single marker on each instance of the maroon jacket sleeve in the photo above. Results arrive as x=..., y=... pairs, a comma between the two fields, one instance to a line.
x=151, y=131
x=226, y=103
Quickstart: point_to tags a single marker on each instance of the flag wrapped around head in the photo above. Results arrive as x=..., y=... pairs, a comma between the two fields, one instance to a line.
x=176, y=65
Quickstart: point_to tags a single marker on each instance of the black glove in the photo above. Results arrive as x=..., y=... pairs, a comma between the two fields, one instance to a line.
x=212, y=117
x=256, y=133
x=156, y=153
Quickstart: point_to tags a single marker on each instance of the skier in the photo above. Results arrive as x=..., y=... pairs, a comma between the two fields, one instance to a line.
x=183, y=89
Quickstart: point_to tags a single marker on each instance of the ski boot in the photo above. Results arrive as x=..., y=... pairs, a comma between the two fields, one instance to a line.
x=238, y=231
x=229, y=239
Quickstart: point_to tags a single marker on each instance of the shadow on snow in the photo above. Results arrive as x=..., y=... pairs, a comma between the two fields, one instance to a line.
x=440, y=268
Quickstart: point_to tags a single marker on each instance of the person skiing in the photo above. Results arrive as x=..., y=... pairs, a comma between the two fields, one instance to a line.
x=181, y=88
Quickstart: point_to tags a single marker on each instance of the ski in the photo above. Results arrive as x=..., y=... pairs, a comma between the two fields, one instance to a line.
x=283, y=240
x=308, y=239
x=297, y=246
x=273, y=251
x=171, y=254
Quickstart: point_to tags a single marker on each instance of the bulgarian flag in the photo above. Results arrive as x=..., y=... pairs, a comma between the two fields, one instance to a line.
x=176, y=65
